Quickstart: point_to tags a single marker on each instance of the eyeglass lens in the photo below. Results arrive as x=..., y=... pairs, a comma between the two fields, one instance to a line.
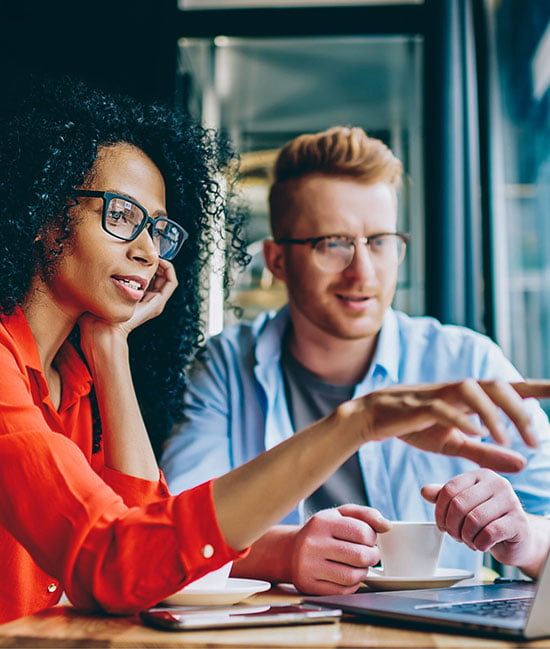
x=336, y=253
x=124, y=220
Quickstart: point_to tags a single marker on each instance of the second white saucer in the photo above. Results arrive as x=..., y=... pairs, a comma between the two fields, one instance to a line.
x=444, y=577
x=234, y=591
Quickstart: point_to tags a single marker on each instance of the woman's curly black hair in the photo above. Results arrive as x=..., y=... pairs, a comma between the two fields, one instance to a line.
x=49, y=143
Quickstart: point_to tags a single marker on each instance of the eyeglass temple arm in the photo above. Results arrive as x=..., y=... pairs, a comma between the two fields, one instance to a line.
x=311, y=240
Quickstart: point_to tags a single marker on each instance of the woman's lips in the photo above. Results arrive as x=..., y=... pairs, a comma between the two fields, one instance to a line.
x=132, y=287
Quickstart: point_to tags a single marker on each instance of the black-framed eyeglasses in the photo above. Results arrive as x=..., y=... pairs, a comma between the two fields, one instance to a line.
x=334, y=252
x=125, y=219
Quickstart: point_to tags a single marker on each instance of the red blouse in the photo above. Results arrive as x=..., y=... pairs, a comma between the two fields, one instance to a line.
x=67, y=522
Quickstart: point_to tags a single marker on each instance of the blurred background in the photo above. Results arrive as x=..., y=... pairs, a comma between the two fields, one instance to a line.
x=459, y=89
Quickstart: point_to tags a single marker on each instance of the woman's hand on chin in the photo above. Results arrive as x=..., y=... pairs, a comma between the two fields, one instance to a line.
x=96, y=333
x=156, y=296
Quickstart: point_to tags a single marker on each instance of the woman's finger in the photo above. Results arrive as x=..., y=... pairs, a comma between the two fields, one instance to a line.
x=169, y=280
x=163, y=284
x=452, y=441
x=509, y=401
x=478, y=400
x=536, y=388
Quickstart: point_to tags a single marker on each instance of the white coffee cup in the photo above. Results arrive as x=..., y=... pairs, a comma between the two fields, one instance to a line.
x=212, y=581
x=410, y=549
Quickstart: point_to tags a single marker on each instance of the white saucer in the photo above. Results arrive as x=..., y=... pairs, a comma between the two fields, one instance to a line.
x=444, y=577
x=234, y=591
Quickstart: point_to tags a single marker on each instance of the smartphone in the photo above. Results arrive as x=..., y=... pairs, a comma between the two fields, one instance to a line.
x=187, y=618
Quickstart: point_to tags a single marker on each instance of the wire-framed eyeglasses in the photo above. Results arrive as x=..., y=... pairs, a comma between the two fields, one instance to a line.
x=125, y=219
x=334, y=252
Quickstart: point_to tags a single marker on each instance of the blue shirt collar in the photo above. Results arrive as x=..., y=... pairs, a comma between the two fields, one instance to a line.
x=388, y=349
x=271, y=329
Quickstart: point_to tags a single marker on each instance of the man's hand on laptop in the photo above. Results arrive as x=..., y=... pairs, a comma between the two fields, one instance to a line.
x=481, y=509
x=334, y=549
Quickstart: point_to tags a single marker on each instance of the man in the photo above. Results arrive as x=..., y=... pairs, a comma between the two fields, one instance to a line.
x=333, y=210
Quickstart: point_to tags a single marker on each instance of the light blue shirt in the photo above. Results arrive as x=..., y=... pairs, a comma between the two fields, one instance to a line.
x=235, y=408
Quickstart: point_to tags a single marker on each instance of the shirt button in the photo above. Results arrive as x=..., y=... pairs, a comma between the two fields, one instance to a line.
x=207, y=551
x=52, y=588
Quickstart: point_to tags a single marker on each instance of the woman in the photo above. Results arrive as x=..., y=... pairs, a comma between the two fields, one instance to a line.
x=98, y=195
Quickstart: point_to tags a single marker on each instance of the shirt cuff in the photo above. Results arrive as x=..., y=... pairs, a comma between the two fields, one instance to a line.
x=203, y=547
x=135, y=492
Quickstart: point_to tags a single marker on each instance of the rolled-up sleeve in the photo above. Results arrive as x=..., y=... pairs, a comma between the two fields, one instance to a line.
x=68, y=523
x=78, y=530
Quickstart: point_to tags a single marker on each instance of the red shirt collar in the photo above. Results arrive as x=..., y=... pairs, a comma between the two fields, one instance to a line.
x=75, y=375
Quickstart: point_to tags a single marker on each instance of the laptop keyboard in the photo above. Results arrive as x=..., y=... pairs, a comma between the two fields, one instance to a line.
x=504, y=608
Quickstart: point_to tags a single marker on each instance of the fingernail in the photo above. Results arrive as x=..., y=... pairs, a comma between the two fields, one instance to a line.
x=531, y=434
x=501, y=428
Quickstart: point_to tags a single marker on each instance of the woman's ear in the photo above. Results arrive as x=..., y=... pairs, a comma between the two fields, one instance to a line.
x=275, y=259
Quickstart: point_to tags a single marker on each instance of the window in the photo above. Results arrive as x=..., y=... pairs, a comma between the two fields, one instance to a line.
x=264, y=91
x=520, y=177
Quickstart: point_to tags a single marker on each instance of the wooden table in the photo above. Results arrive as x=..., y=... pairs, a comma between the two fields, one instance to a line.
x=62, y=626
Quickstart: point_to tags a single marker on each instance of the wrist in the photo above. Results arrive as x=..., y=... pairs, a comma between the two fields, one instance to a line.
x=107, y=350
x=539, y=546
x=270, y=556
x=283, y=543
x=355, y=416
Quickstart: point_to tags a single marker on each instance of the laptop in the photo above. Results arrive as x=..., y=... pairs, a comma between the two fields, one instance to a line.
x=509, y=610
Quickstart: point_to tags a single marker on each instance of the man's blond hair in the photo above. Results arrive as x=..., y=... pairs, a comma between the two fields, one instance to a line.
x=339, y=151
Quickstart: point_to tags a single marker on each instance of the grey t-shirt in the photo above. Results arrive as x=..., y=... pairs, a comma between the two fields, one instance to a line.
x=309, y=399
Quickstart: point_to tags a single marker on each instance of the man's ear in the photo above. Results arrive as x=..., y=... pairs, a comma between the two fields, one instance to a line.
x=274, y=259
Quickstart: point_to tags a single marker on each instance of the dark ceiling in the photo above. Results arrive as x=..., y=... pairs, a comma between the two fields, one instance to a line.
x=117, y=45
